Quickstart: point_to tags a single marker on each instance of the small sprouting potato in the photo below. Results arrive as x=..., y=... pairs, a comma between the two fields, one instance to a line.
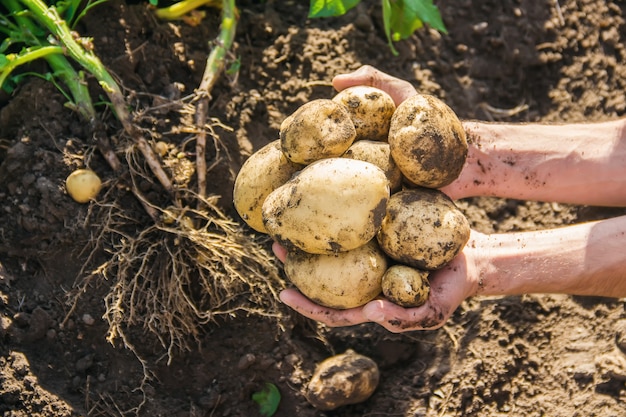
x=343, y=379
x=263, y=172
x=345, y=280
x=423, y=228
x=83, y=185
x=371, y=110
x=406, y=286
x=318, y=129
x=333, y=205
x=379, y=154
x=427, y=141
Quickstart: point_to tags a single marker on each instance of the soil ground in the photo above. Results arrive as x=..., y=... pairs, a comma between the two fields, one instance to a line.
x=534, y=355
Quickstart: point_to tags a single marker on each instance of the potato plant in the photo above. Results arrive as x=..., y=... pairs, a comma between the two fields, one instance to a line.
x=361, y=215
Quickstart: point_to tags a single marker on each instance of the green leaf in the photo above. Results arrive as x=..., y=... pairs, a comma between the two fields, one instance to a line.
x=401, y=18
x=268, y=399
x=331, y=8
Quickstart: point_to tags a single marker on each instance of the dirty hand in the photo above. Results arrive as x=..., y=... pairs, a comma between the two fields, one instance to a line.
x=449, y=287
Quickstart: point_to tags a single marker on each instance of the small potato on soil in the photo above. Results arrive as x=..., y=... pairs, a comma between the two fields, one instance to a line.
x=427, y=141
x=333, y=205
x=379, y=154
x=343, y=379
x=423, y=228
x=370, y=109
x=406, y=286
x=318, y=129
x=263, y=172
x=83, y=185
x=345, y=280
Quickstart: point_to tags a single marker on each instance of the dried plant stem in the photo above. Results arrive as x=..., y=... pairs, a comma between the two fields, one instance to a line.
x=214, y=67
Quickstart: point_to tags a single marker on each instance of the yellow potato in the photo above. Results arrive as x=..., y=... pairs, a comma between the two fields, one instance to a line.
x=83, y=185
x=379, y=154
x=345, y=280
x=370, y=109
x=406, y=286
x=316, y=130
x=346, y=378
x=263, y=172
x=427, y=141
x=332, y=205
x=423, y=228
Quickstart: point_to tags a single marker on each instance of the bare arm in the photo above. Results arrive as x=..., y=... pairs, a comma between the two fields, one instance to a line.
x=583, y=259
x=582, y=163
x=573, y=163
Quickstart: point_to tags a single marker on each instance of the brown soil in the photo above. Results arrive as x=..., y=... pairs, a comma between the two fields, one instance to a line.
x=533, y=355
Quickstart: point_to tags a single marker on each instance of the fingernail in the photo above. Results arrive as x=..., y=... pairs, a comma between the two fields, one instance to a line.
x=376, y=316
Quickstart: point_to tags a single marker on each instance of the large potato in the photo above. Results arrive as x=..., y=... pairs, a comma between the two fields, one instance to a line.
x=345, y=280
x=405, y=285
x=370, y=109
x=263, y=172
x=379, y=154
x=332, y=205
x=316, y=130
x=427, y=141
x=423, y=228
x=346, y=378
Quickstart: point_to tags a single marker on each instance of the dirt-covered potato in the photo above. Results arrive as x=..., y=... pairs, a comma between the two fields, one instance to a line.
x=427, y=141
x=263, y=172
x=345, y=280
x=405, y=285
x=423, y=228
x=379, y=154
x=370, y=109
x=318, y=129
x=331, y=206
x=343, y=379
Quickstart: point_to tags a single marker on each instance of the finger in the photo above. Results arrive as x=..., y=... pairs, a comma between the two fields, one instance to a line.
x=398, y=319
x=398, y=89
x=331, y=317
x=279, y=251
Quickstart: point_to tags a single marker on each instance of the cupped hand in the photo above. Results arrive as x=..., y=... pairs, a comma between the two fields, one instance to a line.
x=449, y=287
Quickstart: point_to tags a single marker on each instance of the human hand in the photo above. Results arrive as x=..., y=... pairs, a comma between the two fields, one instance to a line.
x=448, y=288
x=398, y=89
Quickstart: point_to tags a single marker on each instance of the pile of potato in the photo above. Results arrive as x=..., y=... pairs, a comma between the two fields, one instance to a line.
x=351, y=190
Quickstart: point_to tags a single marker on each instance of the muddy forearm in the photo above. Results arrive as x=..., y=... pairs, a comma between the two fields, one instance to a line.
x=583, y=259
x=575, y=163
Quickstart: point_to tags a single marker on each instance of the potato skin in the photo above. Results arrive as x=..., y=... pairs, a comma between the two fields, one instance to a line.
x=324, y=209
x=318, y=129
x=263, y=172
x=406, y=286
x=346, y=378
x=345, y=280
x=370, y=109
x=427, y=141
x=423, y=228
x=379, y=154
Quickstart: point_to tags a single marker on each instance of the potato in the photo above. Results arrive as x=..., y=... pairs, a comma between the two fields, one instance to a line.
x=406, y=286
x=333, y=205
x=427, y=141
x=263, y=172
x=423, y=228
x=83, y=185
x=370, y=109
x=345, y=280
x=379, y=154
x=318, y=129
x=347, y=378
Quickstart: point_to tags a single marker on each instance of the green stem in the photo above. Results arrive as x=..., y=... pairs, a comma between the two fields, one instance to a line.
x=50, y=18
x=214, y=66
x=30, y=54
x=180, y=8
